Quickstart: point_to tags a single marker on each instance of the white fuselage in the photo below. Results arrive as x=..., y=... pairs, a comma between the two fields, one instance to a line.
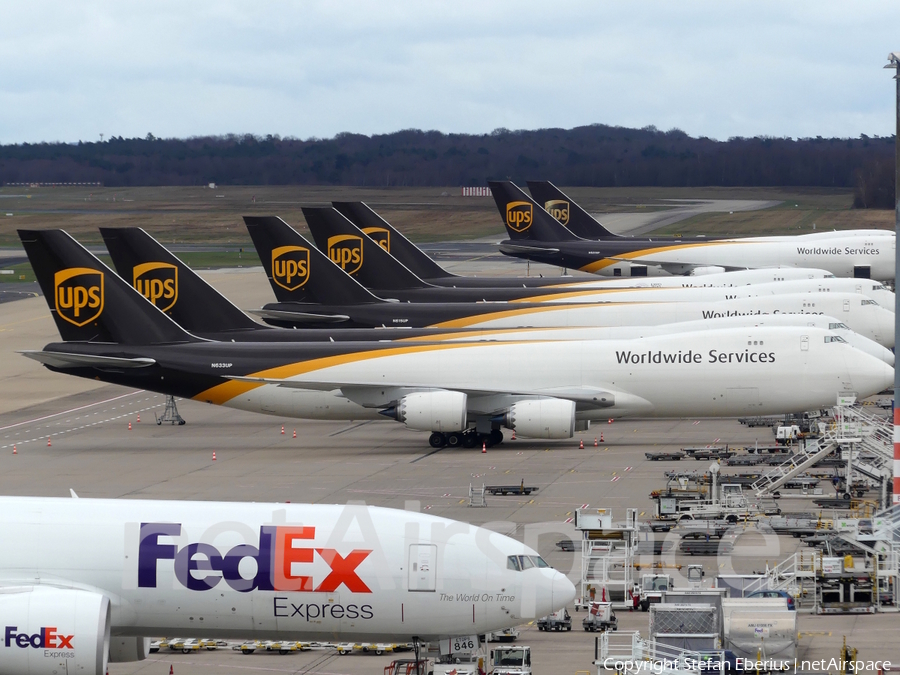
x=860, y=313
x=841, y=255
x=730, y=372
x=630, y=332
x=271, y=571
x=871, y=289
x=735, y=278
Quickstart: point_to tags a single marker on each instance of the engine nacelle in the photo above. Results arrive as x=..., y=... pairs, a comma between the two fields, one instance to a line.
x=47, y=631
x=128, y=649
x=440, y=410
x=709, y=269
x=542, y=418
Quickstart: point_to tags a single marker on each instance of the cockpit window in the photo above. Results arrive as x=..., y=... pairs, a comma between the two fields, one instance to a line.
x=524, y=562
x=838, y=326
x=868, y=302
x=834, y=338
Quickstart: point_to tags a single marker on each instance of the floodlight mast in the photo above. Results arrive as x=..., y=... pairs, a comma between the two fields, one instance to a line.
x=894, y=62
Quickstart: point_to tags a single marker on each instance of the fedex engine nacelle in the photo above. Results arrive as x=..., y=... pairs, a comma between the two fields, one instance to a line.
x=47, y=631
x=433, y=410
x=542, y=418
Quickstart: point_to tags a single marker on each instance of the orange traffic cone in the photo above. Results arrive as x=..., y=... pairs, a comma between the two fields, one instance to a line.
x=609, y=421
x=15, y=452
x=129, y=426
x=295, y=433
x=483, y=447
x=171, y=670
x=601, y=436
x=282, y=429
x=513, y=436
x=214, y=456
x=48, y=442
x=139, y=417
x=581, y=444
x=596, y=443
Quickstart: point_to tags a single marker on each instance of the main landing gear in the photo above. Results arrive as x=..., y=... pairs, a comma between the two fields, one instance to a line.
x=465, y=439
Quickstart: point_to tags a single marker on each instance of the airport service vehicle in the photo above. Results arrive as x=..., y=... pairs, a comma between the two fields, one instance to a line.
x=558, y=620
x=787, y=435
x=113, y=333
x=135, y=568
x=197, y=307
x=536, y=235
x=511, y=660
x=651, y=590
x=600, y=617
x=505, y=635
x=418, y=262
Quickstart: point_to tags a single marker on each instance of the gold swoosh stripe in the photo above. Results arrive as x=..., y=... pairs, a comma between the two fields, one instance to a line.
x=226, y=391
x=581, y=294
x=640, y=253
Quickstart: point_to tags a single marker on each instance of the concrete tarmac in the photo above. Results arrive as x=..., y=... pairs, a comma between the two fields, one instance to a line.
x=92, y=452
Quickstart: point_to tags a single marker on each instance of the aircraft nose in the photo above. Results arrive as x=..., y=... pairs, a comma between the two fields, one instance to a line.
x=870, y=375
x=886, y=329
x=563, y=591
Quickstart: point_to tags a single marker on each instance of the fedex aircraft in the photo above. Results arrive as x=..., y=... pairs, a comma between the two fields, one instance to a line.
x=137, y=568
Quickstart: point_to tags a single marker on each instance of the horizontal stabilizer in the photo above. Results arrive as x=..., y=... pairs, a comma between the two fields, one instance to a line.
x=68, y=360
x=298, y=317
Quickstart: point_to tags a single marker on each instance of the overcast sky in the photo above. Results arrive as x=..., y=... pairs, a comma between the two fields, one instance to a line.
x=70, y=71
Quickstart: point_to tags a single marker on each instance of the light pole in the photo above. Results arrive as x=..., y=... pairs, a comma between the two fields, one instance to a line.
x=894, y=62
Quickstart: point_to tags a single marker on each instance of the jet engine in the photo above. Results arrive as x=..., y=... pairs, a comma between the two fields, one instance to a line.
x=708, y=269
x=542, y=418
x=438, y=410
x=53, y=630
x=128, y=649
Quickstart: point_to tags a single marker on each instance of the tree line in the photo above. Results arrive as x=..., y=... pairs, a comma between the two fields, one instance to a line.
x=595, y=155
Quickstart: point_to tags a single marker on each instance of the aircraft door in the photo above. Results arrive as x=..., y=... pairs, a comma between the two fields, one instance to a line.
x=804, y=343
x=846, y=305
x=742, y=398
x=638, y=270
x=422, y=567
x=862, y=272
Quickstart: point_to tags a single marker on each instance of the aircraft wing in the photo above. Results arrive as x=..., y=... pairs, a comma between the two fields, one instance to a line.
x=381, y=394
x=676, y=267
x=311, y=317
x=68, y=360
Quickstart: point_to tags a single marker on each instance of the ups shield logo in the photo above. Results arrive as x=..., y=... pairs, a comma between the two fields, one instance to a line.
x=559, y=209
x=519, y=216
x=346, y=250
x=78, y=294
x=158, y=282
x=290, y=267
x=380, y=236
